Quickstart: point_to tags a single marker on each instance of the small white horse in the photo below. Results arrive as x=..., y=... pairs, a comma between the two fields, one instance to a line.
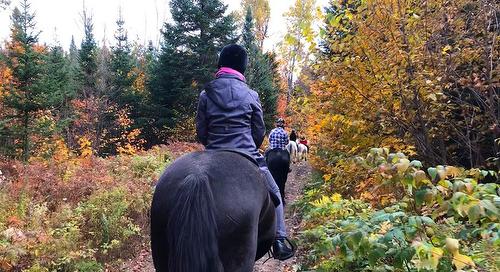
x=292, y=149
x=302, y=152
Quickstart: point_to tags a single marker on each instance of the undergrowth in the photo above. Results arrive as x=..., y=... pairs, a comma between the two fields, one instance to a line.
x=441, y=218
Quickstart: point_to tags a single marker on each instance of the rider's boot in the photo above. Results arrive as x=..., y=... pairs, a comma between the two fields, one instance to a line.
x=281, y=251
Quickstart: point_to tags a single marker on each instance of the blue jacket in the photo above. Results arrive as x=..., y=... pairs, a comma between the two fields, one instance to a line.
x=229, y=116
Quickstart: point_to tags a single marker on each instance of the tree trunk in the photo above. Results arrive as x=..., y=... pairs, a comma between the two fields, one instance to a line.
x=26, y=143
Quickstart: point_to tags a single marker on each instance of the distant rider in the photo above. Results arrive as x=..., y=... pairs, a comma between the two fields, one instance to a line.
x=278, y=138
x=304, y=141
x=293, y=135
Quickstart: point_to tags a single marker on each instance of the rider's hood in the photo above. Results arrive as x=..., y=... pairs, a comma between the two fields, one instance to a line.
x=227, y=92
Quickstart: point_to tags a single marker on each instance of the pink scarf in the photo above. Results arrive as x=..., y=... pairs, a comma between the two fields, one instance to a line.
x=227, y=70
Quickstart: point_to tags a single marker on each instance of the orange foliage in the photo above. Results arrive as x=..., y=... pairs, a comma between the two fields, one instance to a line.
x=6, y=78
x=281, y=104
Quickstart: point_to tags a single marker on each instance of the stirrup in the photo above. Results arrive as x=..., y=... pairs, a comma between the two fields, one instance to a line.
x=292, y=246
x=269, y=256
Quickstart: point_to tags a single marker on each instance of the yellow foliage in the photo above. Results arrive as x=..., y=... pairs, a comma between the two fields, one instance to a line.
x=325, y=200
x=428, y=256
x=85, y=148
x=460, y=261
x=327, y=177
x=62, y=152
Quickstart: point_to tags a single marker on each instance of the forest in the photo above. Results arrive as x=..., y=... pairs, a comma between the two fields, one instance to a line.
x=399, y=99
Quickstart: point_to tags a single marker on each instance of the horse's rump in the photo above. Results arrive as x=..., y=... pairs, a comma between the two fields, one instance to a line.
x=224, y=184
x=302, y=152
x=292, y=149
x=278, y=162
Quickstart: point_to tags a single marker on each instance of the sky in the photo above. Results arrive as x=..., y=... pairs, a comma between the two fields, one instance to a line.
x=59, y=20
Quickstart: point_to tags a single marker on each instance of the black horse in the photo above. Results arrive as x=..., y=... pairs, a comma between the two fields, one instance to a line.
x=211, y=211
x=278, y=162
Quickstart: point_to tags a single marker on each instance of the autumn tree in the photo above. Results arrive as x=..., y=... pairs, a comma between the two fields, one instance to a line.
x=390, y=74
x=6, y=79
x=94, y=101
x=298, y=41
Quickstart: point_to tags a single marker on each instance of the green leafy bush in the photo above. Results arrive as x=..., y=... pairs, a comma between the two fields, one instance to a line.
x=106, y=219
x=144, y=166
x=443, y=220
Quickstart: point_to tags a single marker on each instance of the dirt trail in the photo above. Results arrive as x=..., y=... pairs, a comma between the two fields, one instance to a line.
x=300, y=174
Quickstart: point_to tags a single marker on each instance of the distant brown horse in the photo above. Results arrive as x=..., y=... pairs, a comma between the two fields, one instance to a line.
x=211, y=211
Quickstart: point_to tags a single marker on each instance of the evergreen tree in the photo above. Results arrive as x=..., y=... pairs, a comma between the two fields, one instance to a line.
x=188, y=57
x=259, y=73
x=24, y=58
x=122, y=64
x=56, y=76
x=248, y=35
x=75, y=79
x=73, y=51
x=261, y=13
x=58, y=79
x=87, y=57
x=74, y=66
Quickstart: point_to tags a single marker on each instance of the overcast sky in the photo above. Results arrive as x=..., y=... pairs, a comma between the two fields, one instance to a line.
x=60, y=19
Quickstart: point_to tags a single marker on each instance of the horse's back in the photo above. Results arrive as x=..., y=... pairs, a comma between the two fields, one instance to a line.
x=277, y=158
x=236, y=182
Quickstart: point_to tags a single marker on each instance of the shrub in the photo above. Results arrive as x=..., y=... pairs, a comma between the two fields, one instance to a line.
x=106, y=219
x=149, y=165
x=442, y=219
x=78, y=214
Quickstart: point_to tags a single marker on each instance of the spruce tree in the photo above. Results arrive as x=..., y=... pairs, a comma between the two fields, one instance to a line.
x=56, y=76
x=25, y=59
x=122, y=64
x=259, y=73
x=73, y=51
x=87, y=56
x=188, y=57
x=58, y=79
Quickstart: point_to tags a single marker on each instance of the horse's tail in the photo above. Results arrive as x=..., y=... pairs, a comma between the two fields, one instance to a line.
x=192, y=228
